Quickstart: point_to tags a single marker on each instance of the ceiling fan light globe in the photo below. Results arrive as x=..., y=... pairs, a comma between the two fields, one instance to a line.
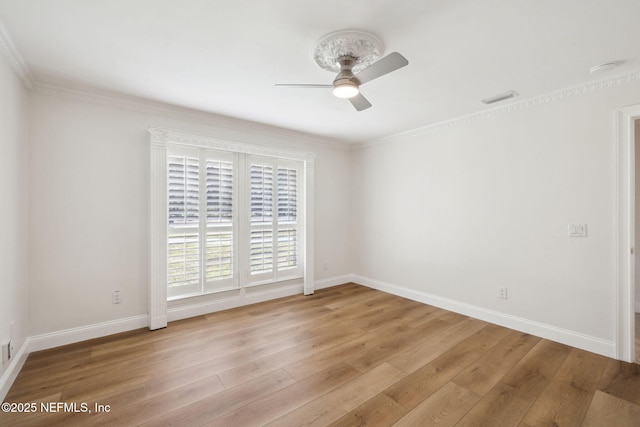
x=345, y=90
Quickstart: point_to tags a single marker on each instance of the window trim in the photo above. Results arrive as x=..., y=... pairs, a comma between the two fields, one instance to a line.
x=160, y=139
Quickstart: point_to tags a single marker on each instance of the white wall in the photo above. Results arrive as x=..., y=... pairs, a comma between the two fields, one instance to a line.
x=14, y=209
x=89, y=198
x=459, y=211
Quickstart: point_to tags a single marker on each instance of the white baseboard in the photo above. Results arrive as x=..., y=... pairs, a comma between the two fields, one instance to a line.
x=333, y=281
x=256, y=294
x=82, y=333
x=252, y=295
x=564, y=336
x=186, y=311
x=12, y=371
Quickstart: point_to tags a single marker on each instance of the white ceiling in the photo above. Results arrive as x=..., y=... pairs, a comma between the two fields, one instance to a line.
x=225, y=56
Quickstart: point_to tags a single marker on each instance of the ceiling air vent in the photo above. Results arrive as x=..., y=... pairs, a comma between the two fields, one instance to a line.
x=501, y=97
x=603, y=67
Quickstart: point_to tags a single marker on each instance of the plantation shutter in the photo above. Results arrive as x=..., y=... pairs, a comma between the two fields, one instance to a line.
x=183, y=260
x=200, y=231
x=274, y=226
x=261, y=240
x=287, y=219
x=219, y=222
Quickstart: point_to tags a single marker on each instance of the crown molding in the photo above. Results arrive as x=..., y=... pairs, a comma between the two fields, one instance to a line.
x=146, y=106
x=525, y=104
x=10, y=53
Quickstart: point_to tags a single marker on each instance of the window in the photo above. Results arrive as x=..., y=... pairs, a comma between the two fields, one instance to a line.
x=202, y=220
x=226, y=216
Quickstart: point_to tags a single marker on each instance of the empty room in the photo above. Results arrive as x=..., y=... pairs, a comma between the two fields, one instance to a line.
x=287, y=213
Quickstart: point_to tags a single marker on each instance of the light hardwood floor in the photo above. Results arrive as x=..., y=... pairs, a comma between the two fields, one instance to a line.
x=346, y=356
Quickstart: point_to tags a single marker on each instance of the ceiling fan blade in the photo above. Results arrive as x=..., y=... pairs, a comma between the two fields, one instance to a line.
x=389, y=63
x=359, y=102
x=306, y=86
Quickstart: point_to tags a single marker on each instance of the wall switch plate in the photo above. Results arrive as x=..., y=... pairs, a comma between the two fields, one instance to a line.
x=577, y=230
x=6, y=351
x=116, y=298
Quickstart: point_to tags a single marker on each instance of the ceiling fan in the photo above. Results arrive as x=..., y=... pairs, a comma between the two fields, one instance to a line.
x=354, y=55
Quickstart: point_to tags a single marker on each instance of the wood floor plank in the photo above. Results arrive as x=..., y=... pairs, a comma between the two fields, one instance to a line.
x=58, y=355
x=79, y=373
x=352, y=349
x=534, y=371
x=566, y=399
x=331, y=406
x=424, y=382
x=375, y=316
x=502, y=406
x=247, y=371
x=137, y=412
x=411, y=312
x=626, y=383
x=241, y=357
x=350, y=297
x=436, y=344
x=562, y=404
x=488, y=370
x=146, y=361
x=583, y=368
x=347, y=355
x=384, y=348
x=275, y=405
x=217, y=360
x=444, y=408
x=209, y=408
x=380, y=411
x=608, y=410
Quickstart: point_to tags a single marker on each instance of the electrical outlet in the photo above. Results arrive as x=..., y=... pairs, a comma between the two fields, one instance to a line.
x=577, y=230
x=116, y=298
x=325, y=266
x=502, y=293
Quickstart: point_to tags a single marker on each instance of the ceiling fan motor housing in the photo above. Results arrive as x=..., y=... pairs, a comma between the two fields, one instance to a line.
x=346, y=64
x=345, y=85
